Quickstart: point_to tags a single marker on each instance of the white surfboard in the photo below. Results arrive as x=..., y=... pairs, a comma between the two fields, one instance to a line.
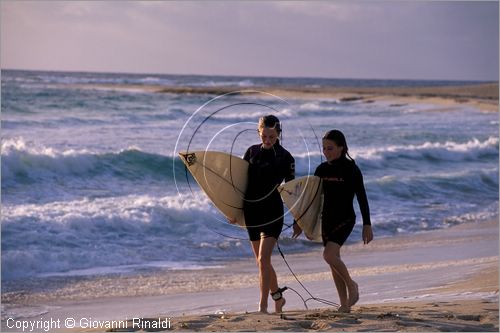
x=223, y=178
x=304, y=198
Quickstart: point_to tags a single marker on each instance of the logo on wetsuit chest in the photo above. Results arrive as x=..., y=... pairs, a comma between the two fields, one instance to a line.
x=334, y=179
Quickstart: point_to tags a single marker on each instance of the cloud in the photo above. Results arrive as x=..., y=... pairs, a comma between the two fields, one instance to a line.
x=378, y=39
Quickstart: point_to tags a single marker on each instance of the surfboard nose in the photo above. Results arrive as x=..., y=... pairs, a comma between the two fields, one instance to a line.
x=222, y=177
x=188, y=158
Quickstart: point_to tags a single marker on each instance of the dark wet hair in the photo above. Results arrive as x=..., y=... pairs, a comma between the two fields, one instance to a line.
x=339, y=138
x=270, y=121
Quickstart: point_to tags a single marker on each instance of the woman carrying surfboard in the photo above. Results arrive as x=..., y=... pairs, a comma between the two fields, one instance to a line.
x=269, y=165
x=342, y=179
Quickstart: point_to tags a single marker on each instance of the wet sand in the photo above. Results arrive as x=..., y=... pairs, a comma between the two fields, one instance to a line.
x=442, y=280
x=438, y=288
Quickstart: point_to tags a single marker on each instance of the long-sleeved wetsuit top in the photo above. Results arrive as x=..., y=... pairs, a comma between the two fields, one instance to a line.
x=342, y=179
x=263, y=205
x=267, y=169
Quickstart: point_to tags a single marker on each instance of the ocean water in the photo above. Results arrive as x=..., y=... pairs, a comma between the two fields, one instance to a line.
x=91, y=182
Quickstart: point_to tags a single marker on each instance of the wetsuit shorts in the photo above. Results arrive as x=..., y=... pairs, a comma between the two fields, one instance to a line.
x=337, y=232
x=264, y=220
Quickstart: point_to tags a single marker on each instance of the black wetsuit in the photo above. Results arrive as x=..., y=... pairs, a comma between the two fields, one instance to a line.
x=263, y=207
x=342, y=179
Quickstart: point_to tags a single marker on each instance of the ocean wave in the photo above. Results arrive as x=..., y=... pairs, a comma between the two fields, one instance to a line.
x=376, y=158
x=79, y=236
x=320, y=110
x=481, y=184
x=472, y=150
x=79, y=78
x=252, y=116
x=86, y=233
x=28, y=162
x=320, y=106
x=150, y=79
x=221, y=83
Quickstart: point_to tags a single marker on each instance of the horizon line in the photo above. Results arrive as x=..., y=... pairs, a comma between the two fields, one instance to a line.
x=246, y=76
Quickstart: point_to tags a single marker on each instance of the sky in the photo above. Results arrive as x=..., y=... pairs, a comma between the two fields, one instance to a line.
x=446, y=40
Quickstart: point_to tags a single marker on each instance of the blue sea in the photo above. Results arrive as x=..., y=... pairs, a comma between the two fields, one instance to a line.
x=91, y=181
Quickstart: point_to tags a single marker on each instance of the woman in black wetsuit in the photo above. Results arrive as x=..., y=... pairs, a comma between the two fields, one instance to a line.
x=269, y=165
x=342, y=179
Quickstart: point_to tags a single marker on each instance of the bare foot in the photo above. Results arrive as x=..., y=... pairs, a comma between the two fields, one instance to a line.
x=353, y=294
x=279, y=304
x=263, y=309
x=344, y=309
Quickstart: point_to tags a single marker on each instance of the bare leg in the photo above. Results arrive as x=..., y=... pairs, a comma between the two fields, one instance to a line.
x=342, y=291
x=256, y=252
x=331, y=255
x=263, y=249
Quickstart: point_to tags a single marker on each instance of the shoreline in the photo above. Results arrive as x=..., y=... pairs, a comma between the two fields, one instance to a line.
x=310, y=268
x=484, y=96
x=394, y=273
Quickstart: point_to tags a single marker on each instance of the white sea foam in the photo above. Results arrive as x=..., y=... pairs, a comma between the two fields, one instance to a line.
x=28, y=161
x=319, y=106
x=448, y=150
x=118, y=231
x=381, y=156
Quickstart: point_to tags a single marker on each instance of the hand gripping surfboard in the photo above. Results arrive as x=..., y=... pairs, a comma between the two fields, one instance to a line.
x=304, y=198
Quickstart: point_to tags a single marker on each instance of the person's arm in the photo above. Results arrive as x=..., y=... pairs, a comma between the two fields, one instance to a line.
x=247, y=156
x=290, y=175
x=290, y=172
x=362, y=198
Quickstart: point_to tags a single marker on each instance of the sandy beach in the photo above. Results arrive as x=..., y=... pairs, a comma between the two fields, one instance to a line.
x=445, y=280
x=432, y=281
x=470, y=316
x=455, y=294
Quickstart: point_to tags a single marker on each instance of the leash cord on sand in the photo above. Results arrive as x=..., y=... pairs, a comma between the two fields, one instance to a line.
x=311, y=298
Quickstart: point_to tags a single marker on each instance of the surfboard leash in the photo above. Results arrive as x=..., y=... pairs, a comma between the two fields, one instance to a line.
x=311, y=296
